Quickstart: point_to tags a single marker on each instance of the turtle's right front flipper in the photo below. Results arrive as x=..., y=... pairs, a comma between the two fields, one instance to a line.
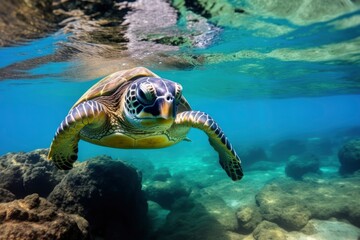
x=228, y=158
x=64, y=147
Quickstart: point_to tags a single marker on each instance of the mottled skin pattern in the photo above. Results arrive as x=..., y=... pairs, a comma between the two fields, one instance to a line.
x=136, y=109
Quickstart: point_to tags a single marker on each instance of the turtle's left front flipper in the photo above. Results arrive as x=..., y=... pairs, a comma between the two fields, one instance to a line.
x=64, y=147
x=228, y=158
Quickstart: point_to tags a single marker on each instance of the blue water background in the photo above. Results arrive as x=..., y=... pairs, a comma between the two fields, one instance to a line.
x=252, y=107
x=32, y=112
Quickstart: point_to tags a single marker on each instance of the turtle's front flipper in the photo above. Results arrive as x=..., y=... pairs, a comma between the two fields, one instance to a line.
x=64, y=147
x=228, y=158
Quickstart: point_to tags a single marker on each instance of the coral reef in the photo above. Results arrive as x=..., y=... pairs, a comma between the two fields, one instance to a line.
x=27, y=173
x=298, y=166
x=108, y=194
x=36, y=218
x=144, y=166
x=349, y=157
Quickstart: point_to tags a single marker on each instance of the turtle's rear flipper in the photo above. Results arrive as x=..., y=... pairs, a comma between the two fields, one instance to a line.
x=228, y=158
x=64, y=147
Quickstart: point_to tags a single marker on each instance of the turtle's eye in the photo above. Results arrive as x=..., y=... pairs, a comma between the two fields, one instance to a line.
x=146, y=93
x=178, y=92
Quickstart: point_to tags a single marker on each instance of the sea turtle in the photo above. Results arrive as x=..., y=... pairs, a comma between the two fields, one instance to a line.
x=136, y=108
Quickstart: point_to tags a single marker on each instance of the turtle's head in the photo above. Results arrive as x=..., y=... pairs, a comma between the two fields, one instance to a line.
x=151, y=103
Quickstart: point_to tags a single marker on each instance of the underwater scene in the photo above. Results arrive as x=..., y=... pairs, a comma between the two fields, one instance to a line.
x=173, y=120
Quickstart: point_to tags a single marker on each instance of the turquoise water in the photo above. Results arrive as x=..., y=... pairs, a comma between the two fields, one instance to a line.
x=254, y=98
x=251, y=107
x=301, y=83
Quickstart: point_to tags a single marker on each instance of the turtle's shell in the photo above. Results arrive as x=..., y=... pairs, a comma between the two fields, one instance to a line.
x=109, y=84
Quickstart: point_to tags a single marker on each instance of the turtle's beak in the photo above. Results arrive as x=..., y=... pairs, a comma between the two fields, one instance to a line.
x=167, y=110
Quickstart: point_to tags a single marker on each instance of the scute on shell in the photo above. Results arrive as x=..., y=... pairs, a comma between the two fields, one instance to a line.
x=109, y=84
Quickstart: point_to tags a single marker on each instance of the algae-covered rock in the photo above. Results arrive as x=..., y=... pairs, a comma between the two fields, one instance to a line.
x=329, y=229
x=291, y=204
x=166, y=192
x=268, y=230
x=193, y=219
x=298, y=166
x=199, y=216
x=145, y=166
x=27, y=173
x=161, y=174
x=108, y=194
x=6, y=196
x=36, y=218
x=217, y=208
x=349, y=157
x=157, y=216
x=280, y=208
x=248, y=218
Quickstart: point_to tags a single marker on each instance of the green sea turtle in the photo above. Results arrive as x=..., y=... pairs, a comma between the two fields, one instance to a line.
x=136, y=108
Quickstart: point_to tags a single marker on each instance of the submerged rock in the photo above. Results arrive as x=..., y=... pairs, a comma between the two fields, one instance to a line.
x=194, y=219
x=6, y=196
x=349, y=157
x=36, y=218
x=282, y=150
x=330, y=229
x=248, y=218
x=199, y=216
x=291, y=204
x=157, y=216
x=268, y=230
x=27, y=173
x=263, y=166
x=298, y=166
x=22, y=20
x=253, y=155
x=321, y=146
x=161, y=174
x=166, y=192
x=108, y=194
x=144, y=166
